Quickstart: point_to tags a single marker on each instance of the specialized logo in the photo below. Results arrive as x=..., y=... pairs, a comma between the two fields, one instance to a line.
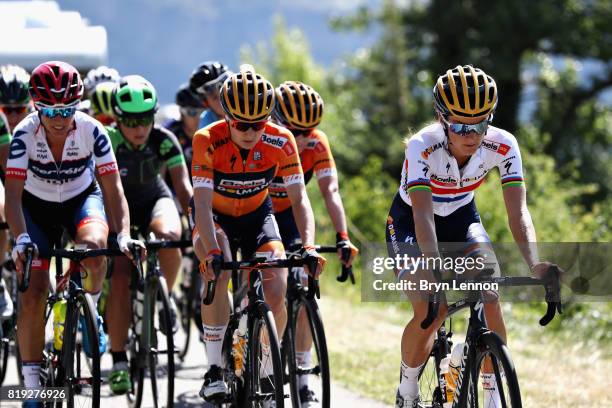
x=500, y=148
x=425, y=153
x=232, y=161
x=507, y=166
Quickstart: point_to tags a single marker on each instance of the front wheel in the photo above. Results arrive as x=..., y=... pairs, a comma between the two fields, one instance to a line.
x=501, y=389
x=306, y=351
x=265, y=367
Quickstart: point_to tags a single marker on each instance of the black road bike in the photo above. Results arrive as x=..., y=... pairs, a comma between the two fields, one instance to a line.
x=481, y=346
x=299, y=304
x=260, y=341
x=151, y=340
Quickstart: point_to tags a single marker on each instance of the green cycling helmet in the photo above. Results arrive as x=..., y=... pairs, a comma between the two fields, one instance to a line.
x=134, y=96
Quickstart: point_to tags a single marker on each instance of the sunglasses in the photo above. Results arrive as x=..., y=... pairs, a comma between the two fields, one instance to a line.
x=211, y=90
x=244, y=126
x=53, y=112
x=15, y=109
x=463, y=129
x=300, y=132
x=135, y=122
x=193, y=112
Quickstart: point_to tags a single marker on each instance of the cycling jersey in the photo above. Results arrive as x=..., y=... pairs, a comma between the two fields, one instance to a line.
x=176, y=127
x=208, y=117
x=241, y=184
x=5, y=133
x=140, y=167
x=430, y=166
x=316, y=158
x=30, y=158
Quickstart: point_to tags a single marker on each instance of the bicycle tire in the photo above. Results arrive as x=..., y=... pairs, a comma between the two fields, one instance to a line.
x=160, y=294
x=84, y=389
x=185, y=311
x=430, y=389
x=490, y=344
x=319, y=346
x=4, y=352
x=262, y=323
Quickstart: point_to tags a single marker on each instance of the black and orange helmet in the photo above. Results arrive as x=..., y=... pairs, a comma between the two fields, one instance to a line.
x=465, y=92
x=247, y=97
x=298, y=106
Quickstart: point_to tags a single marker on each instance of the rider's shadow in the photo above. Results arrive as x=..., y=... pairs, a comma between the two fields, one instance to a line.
x=190, y=399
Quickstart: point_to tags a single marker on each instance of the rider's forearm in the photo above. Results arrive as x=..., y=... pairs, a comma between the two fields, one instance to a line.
x=14, y=215
x=524, y=235
x=205, y=225
x=335, y=209
x=304, y=219
x=184, y=192
x=120, y=214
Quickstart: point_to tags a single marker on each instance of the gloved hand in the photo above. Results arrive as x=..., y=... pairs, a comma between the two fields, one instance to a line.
x=214, y=258
x=309, y=251
x=342, y=244
x=18, y=253
x=125, y=242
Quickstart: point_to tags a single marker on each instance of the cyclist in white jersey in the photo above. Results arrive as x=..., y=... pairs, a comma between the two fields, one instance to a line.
x=445, y=162
x=51, y=184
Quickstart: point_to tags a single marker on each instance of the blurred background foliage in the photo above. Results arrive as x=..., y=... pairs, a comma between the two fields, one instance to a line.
x=536, y=52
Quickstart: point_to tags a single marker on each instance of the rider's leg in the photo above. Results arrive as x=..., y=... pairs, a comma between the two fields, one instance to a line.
x=166, y=224
x=119, y=305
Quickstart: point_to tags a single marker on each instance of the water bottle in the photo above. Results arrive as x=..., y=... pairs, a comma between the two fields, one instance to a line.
x=138, y=311
x=452, y=373
x=239, y=345
x=59, y=320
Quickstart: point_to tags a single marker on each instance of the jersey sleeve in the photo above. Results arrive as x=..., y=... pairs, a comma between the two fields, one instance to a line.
x=290, y=168
x=18, y=159
x=103, y=154
x=510, y=165
x=170, y=150
x=324, y=165
x=5, y=133
x=202, y=160
x=416, y=171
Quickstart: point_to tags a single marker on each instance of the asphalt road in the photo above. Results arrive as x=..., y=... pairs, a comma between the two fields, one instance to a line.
x=189, y=378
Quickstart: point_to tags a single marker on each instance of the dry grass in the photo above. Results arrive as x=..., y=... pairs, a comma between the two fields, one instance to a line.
x=364, y=348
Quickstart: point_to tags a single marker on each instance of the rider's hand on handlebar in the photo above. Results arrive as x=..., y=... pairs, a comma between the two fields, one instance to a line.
x=126, y=243
x=18, y=253
x=540, y=269
x=343, y=243
x=308, y=251
x=213, y=258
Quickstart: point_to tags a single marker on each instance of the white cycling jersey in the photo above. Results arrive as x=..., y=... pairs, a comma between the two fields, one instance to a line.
x=87, y=147
x=430, y=166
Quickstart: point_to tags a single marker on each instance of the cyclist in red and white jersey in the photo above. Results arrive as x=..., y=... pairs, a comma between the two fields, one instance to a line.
x=51, y=185
x=445, y=162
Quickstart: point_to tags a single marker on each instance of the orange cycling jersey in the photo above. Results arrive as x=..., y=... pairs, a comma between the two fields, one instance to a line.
x=316, y=157
x=241, y=185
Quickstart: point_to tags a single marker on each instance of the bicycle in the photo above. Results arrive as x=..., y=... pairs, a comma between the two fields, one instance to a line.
x=298, y=302
x=250, y=313
x=151, y=342
x=7, y=327
x=64, y=368
x=188, y=301
x=480, y=344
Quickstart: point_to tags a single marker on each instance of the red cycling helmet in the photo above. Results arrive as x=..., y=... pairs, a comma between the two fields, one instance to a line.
x=55, y=83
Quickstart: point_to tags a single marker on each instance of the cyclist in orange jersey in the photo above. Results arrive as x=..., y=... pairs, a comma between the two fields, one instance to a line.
x=234, y=162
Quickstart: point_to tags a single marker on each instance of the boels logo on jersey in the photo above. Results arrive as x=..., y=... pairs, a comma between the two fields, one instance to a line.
x=500, y=148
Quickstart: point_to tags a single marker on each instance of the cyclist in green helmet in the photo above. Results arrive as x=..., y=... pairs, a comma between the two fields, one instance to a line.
x=142, y=149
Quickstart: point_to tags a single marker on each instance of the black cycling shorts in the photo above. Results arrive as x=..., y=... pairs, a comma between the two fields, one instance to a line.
x=247, y=232
x=288, y=228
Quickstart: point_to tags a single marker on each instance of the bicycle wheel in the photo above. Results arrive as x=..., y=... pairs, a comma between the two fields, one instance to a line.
x=137, y=365
x=161, y=353
x=492, y=347
x=264, y=355
x=315, y=374
x=185, y=310
x=82, y=379
x=429, y=377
